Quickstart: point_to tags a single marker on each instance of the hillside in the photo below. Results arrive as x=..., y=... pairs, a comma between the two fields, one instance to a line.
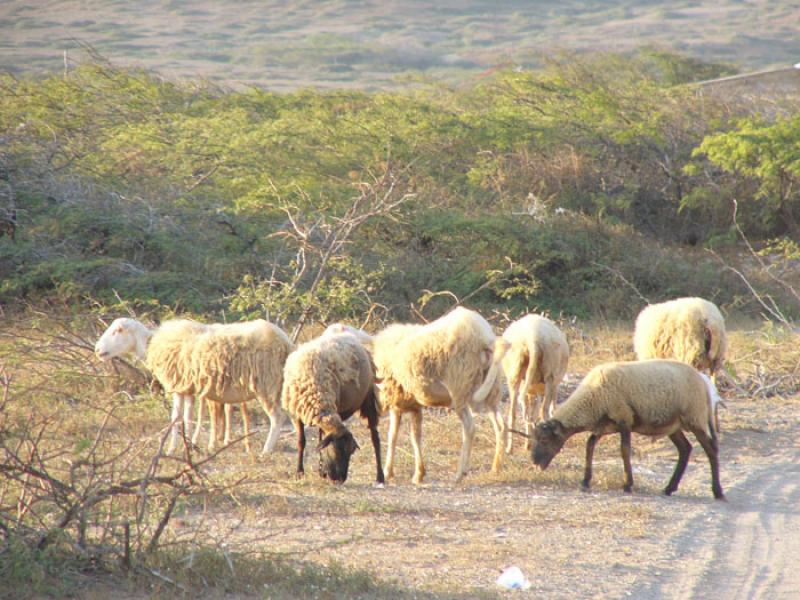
x=371, y=44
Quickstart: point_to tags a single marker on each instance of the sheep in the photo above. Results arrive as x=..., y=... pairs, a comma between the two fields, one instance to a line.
x=164, y=350
x=325, y=381
x=691, y=330
x=452, y=362
x=235, y=362
x=225, y=363
x=360, y=334
x=534, y=365
x=652, y=397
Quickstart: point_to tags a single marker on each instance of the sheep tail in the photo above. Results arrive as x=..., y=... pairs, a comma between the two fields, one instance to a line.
x=501, y=346
x=714, y=401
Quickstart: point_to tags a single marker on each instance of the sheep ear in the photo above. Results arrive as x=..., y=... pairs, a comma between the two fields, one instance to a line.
x=326, y=441
x=551, y=427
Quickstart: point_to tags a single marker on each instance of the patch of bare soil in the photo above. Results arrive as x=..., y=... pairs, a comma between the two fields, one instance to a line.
x=445, y=540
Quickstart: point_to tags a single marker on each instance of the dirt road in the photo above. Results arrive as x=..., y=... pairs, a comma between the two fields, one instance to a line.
x=747, y=549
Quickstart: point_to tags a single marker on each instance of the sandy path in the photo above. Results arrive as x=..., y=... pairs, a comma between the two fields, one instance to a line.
x=747, y=548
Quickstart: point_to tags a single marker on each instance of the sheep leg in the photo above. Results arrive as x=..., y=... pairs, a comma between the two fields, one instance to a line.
x=416, y=443
x=188, y=408
x=711, y=445
x=246, y=425
x=512, y=413
x=213, y=417
x=499, y=436
x=226, y=437
x=200, y=409
x=467, y=435
x=625, y=446
x=301, y=447
x=177, y=423
x=376, y=446
x=587, y=471
x=684, y=450
x=276, y=417
x=531, y=404
x=550, y=397
x=395, y=416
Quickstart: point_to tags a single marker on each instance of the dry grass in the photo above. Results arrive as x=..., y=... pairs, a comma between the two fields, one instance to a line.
x=261, y=532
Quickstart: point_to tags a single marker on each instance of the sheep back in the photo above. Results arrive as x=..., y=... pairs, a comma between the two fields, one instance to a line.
x=169, y=354
x=691, y=330
x=328, y=377
x=654, y=397
x=248, y=357
x=537, y=342
x=456, y=350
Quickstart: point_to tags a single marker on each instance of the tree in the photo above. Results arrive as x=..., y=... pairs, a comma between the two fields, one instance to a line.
x=769, y=153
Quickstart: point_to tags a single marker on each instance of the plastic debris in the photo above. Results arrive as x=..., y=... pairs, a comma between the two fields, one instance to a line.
x=513, y=579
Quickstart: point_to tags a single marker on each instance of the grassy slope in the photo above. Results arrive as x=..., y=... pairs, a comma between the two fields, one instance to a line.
x=369, y=43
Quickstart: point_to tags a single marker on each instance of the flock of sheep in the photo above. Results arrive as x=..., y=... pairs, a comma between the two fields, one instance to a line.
x=457, y=362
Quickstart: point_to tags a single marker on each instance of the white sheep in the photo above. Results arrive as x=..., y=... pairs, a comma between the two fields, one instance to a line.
x=534, y=365
x=691, y=330
x=164, y=351
x=452, y=362
x=652, y=397
x=360, y=334
x=325, y=381
x=244, y=361
x=236, y=362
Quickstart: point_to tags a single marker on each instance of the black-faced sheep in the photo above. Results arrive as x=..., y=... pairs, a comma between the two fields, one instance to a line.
x=326, y=381
x=534, y=365
x=652, y=397
x=452, y=362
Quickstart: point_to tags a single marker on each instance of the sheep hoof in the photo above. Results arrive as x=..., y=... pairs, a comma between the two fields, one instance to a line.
x=668, y=492
x=627, y=489
x=300, y=475
x=585, y=486
x=379, y=485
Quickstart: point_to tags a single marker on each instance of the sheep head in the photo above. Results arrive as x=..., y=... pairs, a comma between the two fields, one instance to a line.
x=335, y=451
x=548, y=439
x=120, y=338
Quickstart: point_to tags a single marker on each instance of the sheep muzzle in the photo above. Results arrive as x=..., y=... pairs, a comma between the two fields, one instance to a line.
x=334, y=456
x=548, y=439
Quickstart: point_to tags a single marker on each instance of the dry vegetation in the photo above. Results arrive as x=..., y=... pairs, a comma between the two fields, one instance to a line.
x=372, y=44
x=238, y=526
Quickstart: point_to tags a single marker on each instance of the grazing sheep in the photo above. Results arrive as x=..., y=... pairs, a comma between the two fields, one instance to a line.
x=653, y=397
x=452, y=362
x=236, y=362
x=222, y=363
x=534, y=365
x=691, y=330
x=325, y=381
